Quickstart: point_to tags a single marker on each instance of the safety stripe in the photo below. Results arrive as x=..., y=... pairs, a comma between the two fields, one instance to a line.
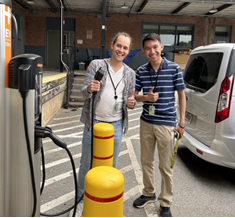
x=102, y=158
x=103, y=200
x=106, y=137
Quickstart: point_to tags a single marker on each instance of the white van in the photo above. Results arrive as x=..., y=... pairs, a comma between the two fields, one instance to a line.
x=210, y=103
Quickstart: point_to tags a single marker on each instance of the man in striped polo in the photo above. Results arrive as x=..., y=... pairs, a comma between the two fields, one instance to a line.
x=159, y=79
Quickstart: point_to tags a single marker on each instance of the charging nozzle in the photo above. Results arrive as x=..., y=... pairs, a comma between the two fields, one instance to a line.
x=44, y=132
x=24, y=72
x=176, y=134
x=99, y=74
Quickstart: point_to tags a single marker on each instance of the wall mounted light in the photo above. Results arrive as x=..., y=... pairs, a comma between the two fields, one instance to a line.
x=30, y=2
x=213, y=9
x=124, y=6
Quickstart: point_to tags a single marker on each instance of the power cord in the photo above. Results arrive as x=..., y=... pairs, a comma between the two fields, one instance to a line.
x=98, y=76
x=44, y=132
x=24, y=94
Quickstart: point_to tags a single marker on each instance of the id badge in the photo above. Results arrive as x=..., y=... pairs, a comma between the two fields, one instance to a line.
x=116, y=107
x=151, y=110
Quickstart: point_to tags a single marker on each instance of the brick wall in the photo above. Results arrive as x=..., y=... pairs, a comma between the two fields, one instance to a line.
x=35, y=27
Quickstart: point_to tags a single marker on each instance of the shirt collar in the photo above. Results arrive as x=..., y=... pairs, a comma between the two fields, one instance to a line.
x=164, y=65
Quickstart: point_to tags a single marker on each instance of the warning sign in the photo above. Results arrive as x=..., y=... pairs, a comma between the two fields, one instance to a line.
x=7, y=42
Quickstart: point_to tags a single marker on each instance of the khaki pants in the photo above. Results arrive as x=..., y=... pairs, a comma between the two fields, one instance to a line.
x=164, y=136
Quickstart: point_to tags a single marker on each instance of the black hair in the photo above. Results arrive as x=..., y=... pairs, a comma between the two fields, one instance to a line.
x=151, y=36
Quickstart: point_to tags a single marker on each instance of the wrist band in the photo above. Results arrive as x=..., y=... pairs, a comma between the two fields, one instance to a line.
x=181, y=126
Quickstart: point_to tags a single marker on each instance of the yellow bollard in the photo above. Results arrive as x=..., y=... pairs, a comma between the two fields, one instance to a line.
x=103, y=197
x=103, y=139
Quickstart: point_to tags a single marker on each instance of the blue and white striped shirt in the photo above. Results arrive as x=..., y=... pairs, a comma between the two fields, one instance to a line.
x=169, y=79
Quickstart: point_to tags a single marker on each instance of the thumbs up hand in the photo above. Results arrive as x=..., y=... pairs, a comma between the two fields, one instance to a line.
x=131, y=100
x=152, y=97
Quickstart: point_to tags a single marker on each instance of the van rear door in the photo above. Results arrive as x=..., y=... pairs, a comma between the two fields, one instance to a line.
x=204, y=72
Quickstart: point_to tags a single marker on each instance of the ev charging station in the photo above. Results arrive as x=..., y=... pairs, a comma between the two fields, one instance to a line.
x=21, y=132
x=5, y=56
x=20, y=99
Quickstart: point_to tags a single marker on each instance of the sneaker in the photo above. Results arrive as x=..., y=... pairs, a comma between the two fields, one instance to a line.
x=165, y=212
x=78, y=211
x=143, y=200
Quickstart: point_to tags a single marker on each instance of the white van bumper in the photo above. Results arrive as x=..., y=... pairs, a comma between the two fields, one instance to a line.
x=218, y=153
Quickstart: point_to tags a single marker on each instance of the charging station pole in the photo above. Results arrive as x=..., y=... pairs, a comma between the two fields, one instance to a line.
x=5, y=56
x=20, y=104
x=25, y=113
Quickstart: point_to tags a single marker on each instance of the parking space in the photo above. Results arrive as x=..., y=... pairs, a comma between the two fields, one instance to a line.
x=200, y=188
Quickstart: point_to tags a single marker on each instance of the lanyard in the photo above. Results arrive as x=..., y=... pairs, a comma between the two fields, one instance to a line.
x=115, y=88
x=159, y=70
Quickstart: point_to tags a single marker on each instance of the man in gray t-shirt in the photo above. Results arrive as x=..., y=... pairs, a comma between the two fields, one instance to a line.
x=115, y=93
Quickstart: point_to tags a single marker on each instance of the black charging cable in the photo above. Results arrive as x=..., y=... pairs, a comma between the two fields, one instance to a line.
x=24, y=95
x=98, y=76
x=43, y=170
x=24, y=87
x=44, y=132
x=76, y=191
x=92, y=128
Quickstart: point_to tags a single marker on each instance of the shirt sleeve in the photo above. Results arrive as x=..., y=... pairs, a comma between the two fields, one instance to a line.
x=137, y=81
x=89, y=76
x=178, y=79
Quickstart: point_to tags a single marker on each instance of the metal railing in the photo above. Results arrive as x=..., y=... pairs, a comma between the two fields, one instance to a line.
x=70, y=72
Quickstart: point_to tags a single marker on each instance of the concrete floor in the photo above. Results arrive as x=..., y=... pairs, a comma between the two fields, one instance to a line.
x=201, y=189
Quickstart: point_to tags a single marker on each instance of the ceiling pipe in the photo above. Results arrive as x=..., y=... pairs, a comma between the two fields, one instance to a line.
x=131, y=8
x=22, y=4
x=52, y=5
x=65, y=8
x=142, y=5
x=181, y=7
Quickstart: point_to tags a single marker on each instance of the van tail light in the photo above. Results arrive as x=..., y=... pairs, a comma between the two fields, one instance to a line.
x=224, y=100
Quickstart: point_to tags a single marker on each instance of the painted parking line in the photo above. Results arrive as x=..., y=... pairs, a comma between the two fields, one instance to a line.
x=60, y=149
x=57, y=202
x=65, y=123
x=79, y=115
x=61, y=161
x=70, y=173
x=77, y=134
x=132, y=113
x=69, y=128
x=67, y=159
x=64, y=118
x=150, y=209
x=67, y=197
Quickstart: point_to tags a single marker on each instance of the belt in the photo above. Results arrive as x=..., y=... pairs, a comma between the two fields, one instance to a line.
x=106, y=121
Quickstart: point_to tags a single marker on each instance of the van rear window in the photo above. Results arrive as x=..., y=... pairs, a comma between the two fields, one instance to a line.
x=202, y=71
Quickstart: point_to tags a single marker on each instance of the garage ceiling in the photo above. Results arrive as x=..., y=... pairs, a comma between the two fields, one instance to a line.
x=225, y=8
